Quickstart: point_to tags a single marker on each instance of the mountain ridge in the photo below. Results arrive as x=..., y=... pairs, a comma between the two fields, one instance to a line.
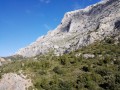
x=78, y=28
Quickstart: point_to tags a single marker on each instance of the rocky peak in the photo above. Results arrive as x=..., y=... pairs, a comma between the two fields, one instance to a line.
x=78, y=28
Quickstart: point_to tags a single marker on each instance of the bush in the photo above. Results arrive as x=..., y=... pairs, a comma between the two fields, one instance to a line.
x=45, y=64
x=117, y=62
x=109, y=40
x=63, y=60
x=42, y=72
x=58, y=70
x=86, y=69
x=43, y=84
x=110, y=81
x=86, y=81
x=64, y=85
x=37, y=85
x=117, y=78
x=0, y=76
x=103, y=71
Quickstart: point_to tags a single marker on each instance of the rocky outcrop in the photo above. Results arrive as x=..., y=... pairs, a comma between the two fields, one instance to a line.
x=88, y=56
x=12, y=81
x=78, y=28
x=4, y=61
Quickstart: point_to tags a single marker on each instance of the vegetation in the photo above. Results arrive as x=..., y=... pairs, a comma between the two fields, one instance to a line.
x=71, y=72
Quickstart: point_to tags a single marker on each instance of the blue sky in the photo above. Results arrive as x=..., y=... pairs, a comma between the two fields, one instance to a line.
x=23, y=21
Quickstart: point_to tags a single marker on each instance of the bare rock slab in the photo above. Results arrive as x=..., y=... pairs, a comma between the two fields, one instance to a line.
x=12, y=81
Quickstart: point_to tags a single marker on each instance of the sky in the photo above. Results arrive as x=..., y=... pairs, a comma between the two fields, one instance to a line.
x=23, y=21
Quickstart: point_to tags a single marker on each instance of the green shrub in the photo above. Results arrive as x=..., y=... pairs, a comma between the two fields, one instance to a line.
x=86, y=68
x=103, y=71
x=37, y=85
x=64, y=85
x=0, y=75
x=45, y=64
x=109, y=40
x=63, y=60
x=58, y=70
x=42, y=72
x=117, y=62
x=117, y=78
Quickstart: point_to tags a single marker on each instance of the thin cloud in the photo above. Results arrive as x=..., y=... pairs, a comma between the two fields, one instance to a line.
x=45, y=1
x=47, y=26
x=76, y=6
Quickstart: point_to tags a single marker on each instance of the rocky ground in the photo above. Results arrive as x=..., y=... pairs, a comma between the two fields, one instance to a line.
x=12, y=81
x=4, y=61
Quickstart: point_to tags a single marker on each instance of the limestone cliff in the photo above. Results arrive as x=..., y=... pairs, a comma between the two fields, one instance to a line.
x=79, y=28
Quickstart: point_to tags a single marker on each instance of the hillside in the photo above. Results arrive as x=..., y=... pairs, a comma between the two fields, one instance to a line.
x=95, y=67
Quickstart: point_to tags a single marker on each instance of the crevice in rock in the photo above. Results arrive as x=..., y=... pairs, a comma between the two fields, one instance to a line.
x=117, y=25
x=67, y=27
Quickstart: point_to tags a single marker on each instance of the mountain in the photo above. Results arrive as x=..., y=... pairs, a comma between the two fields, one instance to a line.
x=86, y=54
x=77, y=29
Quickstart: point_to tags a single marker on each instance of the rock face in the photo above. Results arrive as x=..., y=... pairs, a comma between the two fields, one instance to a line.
x=4, y=61
x=13, y=81
x=78, y=28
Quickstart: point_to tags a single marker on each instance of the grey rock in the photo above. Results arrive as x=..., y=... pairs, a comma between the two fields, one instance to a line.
x=78, y=54
x=78, y=28
x=87, y=56
x=2, y=61
x=1, y=64
x=12, y=81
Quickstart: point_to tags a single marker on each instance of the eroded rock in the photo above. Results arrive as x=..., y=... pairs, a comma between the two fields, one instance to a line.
x=88, y=56
x=78, y=28
x=12, y=81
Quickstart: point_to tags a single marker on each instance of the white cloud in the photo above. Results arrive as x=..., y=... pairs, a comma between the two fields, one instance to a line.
x=45, y=1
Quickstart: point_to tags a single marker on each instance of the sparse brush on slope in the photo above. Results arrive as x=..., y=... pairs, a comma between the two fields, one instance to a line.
x=73, y=71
